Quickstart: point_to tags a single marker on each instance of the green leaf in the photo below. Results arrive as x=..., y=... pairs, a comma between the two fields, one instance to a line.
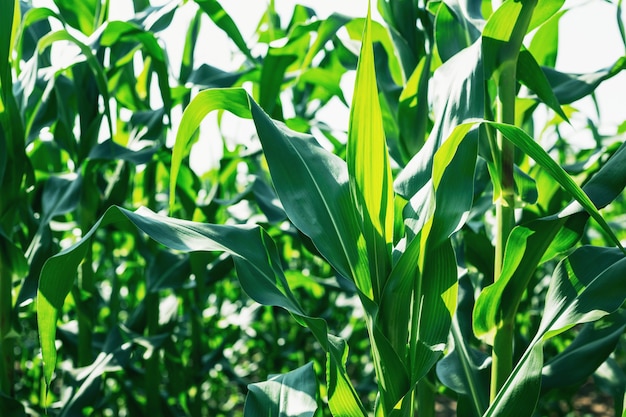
x=589, y=349
x=585, y=287
x=369, y=168
x=273, y=71
x=297, y=163
x=413, y=110
x=539, y=241
x=379, y=34
x=326, y=30
x=465, y=370
x=223, y=20
x=545, y=42
x=290, y=394
x=256, y=259
x=458, y=95
x=92, y=61
x=571, y=87
x=531, y=75
x=453, y=33
x=117, y=31
x=524, y=142
x=82, y=15
x=343, y=399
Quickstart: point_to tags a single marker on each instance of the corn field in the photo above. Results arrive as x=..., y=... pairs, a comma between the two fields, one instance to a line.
x=180, y=239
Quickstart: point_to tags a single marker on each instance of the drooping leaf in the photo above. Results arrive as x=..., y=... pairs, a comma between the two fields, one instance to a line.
x=589, y=349
x=256, y=259
x=571, y=87
x=530, y=74
x=290, y=394
x=297, y=163
x=82, y=16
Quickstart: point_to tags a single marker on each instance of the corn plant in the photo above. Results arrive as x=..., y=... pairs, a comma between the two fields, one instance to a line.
x=479, y=265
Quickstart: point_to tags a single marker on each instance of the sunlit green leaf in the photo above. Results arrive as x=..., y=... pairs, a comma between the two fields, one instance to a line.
x=290, y=394
x=369, y=168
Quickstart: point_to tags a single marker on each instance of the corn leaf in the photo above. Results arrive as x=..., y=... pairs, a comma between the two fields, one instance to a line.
x=589, y=349
x=115, y=32
x=531, y=75
x=585, y=286
x=369, y=168
x=256, y=259
x=290, y=394
x=458, y=95
x=540, y=240
x=297, y=163
x=223, y=20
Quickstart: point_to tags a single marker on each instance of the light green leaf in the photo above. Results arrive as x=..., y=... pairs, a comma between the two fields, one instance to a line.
x=286, y=395
x=545, y=42
x=343, y=400
x=369, y=168
x=83, y=15
x=235, y=101
x=379, y=34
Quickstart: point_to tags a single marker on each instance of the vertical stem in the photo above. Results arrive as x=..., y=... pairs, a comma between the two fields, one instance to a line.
x=505, y=77
x=502, y=354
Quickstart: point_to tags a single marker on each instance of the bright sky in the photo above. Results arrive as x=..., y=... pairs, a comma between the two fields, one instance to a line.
x=589, y=41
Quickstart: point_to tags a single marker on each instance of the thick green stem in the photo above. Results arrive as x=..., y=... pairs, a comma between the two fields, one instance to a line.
x=502, y=354
x=505, y=77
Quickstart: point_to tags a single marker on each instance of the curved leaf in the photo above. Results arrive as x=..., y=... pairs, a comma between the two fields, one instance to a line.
x=256, y=259
x=286, y=395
